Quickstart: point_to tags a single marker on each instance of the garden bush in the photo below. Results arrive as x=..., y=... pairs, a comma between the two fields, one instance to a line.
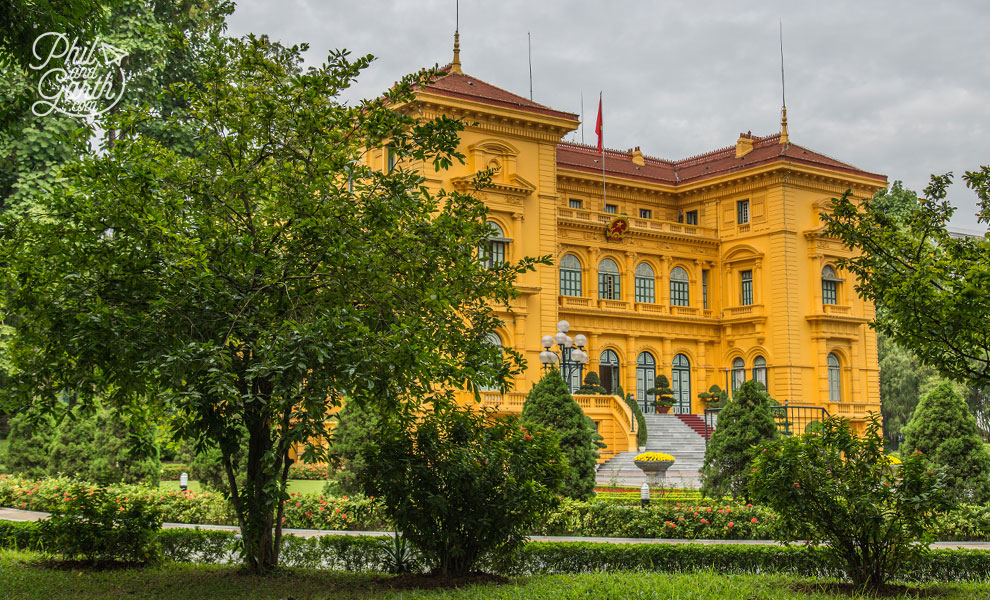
x=840, y=490
x=94, y=524
x=461, y=484
x=945, y=430
x=744, y=422
x=550, y=405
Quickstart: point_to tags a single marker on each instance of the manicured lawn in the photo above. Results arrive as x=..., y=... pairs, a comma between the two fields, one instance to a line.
x=300, y=486
x=20, y=580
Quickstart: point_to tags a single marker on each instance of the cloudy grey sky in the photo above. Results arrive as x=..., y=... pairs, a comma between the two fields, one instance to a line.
x=894, y=87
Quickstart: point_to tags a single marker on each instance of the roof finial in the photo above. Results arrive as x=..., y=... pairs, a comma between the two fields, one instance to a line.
x=784, y=139
x=455, y=66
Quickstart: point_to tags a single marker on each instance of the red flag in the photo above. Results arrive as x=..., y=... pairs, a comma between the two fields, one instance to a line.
x=598, y=125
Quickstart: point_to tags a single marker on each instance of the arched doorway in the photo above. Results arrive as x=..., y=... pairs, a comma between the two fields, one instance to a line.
x=646, y=373
x=608, y=370
x=681, y=384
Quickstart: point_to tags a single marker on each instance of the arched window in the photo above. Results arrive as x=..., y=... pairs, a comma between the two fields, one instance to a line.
x=834, y=381
x=608, y=280
x=830, y=286
x=494, y=253
x=608, y=370
x=646, y=374
x=679, y=282
x=760, y=370
x=491, y=338
x=738, y=373
x=645, y=284
x=681, y=384
x=570, y=275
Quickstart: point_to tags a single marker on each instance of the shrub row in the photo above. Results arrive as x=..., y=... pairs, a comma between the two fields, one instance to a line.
x=678, y=521
x=311, y=472
x=609, y=516
x=304, y=511
x=172, y=471
x=361, y=553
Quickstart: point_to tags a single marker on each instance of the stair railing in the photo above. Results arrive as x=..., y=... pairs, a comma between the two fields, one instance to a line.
x=791, y=419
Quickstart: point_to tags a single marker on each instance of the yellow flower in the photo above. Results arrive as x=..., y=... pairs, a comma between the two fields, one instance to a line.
x=654, y=457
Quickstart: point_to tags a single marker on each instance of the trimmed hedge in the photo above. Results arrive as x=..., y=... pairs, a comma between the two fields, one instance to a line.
x=362, y=553
x=309, y=472
x=586, y=557
x=678, y=521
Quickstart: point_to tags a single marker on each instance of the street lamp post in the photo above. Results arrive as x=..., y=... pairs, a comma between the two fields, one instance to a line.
x=572, y=356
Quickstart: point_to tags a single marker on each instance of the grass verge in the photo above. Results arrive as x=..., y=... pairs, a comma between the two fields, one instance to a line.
x=22, y=579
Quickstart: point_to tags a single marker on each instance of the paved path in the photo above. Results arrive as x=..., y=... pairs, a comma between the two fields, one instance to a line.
x=13, y=514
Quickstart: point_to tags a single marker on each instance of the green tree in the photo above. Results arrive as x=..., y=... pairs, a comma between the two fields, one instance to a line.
x=99, y=446
x=931, y=286
x=744, y=422
x=943, y=428
x=28, y=442
x=838, y=489
x=105, y=447
x=247, y=286
x=901, y=378
x=355, y=432
x=549, y=405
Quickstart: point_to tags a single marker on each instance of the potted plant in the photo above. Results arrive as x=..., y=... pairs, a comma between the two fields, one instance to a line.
x=715, y=397
x=592, y=385
x=653, y=464
x=663, y=395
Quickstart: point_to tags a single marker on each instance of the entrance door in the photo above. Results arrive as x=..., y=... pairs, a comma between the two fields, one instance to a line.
x=681, y=384
x=646, y=373
x=608, y=371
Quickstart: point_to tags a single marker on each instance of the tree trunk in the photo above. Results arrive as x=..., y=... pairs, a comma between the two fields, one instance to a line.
x=257, y=502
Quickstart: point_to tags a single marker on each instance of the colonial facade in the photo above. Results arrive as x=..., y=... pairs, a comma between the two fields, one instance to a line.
x=720, y=271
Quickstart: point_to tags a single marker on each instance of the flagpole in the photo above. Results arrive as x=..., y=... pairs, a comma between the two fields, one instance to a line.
x=602, y=141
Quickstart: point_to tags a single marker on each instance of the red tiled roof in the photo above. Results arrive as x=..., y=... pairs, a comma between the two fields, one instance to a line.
x=718, y=162
x=459, y=85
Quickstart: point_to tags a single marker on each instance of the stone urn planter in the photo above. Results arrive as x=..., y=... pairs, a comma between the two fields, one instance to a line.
x=654, y=465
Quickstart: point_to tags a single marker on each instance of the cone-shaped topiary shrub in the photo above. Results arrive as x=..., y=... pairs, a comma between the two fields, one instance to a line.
x=944, y=430
x=743, y=423
x=550, y=405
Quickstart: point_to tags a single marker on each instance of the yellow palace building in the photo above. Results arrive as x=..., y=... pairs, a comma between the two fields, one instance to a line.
x=711, y=270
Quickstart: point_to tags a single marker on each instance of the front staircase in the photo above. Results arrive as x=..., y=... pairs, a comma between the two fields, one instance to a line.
x=677, y=435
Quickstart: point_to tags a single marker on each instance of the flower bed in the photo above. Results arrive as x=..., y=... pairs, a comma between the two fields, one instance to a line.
x=304, y=511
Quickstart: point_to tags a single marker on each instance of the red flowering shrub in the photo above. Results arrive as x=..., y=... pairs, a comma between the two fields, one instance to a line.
x=837, y=488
